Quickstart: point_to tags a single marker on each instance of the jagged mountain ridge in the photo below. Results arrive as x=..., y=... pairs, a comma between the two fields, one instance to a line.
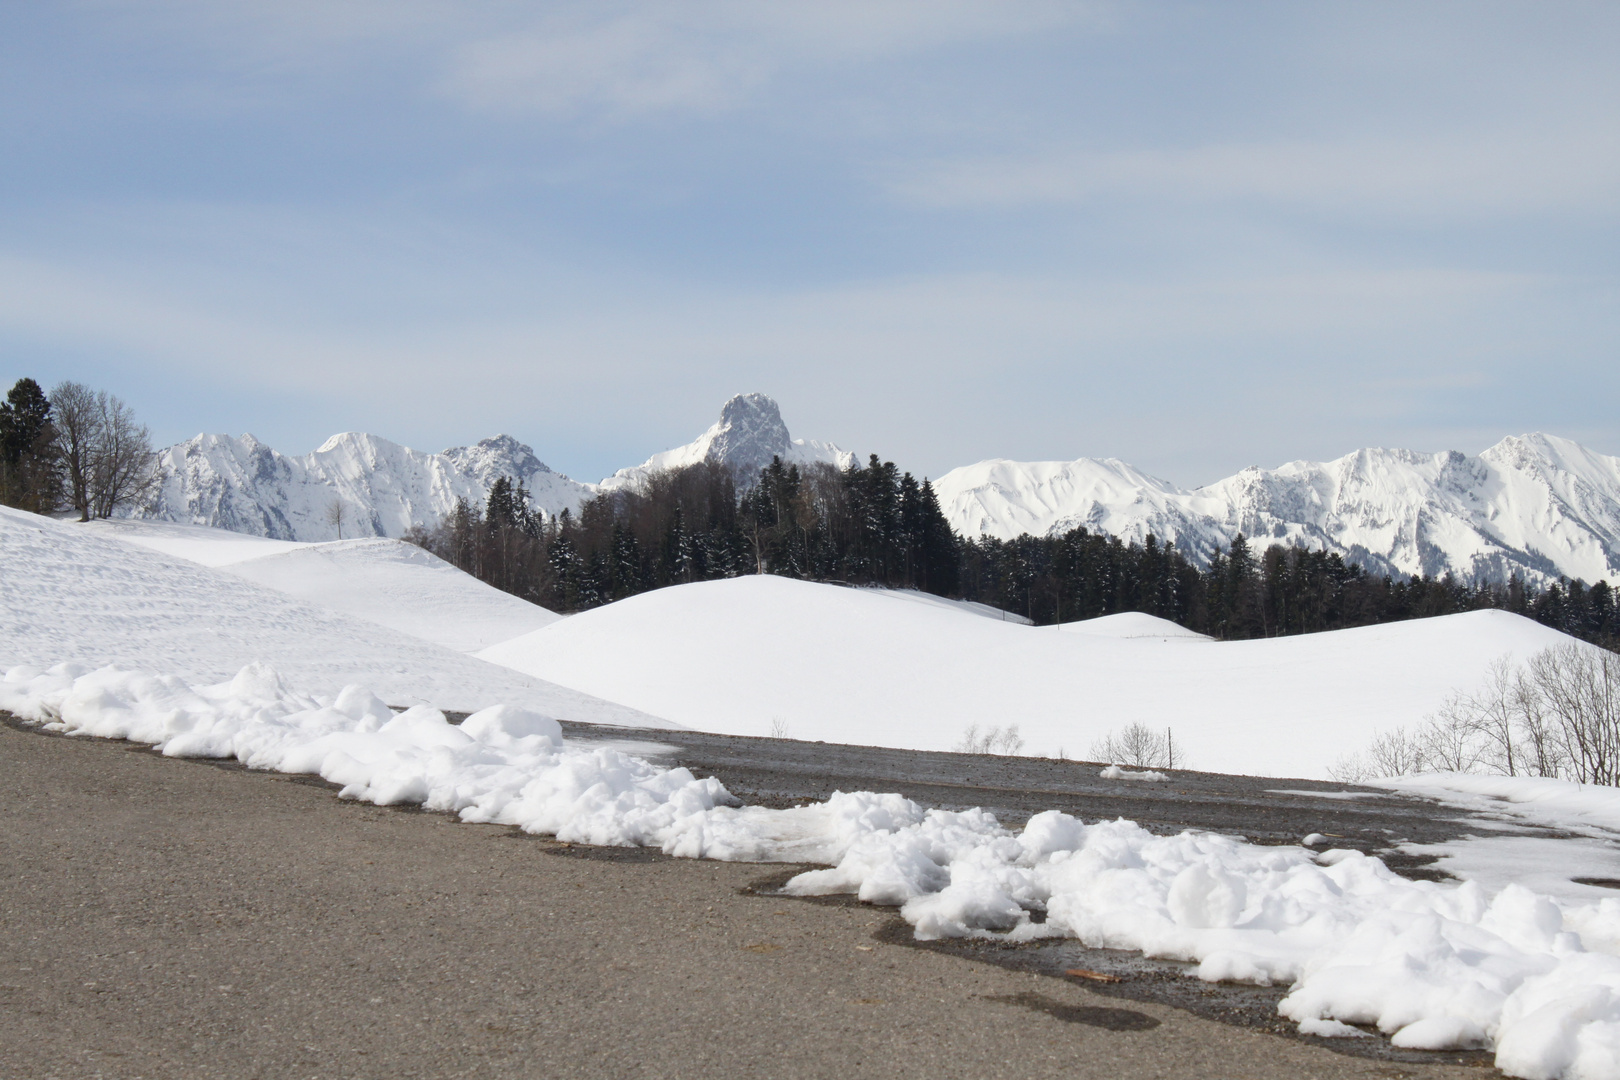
x=383, y=488
x=1534, y=505
x=239, y=483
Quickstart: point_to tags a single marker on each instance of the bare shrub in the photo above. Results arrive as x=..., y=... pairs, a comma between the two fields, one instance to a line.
x=1450, y=740
x=1579, y=689
x=1350, y=769
x=1138, y=746
x=990, y=740
x=1395, y=753
x=779, y=727
x=1558, y=715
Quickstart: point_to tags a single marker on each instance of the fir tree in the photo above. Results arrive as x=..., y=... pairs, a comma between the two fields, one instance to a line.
x=30, y=473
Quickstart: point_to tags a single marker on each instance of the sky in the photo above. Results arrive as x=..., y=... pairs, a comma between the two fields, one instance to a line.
x=1194, y=236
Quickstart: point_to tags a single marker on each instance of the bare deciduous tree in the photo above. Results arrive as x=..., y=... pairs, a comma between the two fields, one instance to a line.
x=106, y=456
x=77, y=416
x=125, y=467
x=334, y=515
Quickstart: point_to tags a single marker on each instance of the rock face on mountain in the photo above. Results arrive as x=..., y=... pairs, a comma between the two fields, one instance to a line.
x=748, y=434
x=381, y=487
x=1533, y=505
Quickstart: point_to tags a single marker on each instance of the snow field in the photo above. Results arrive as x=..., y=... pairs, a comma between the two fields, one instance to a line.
x=70, y=594
x=867, y=667
x=389, y=582
x=1434, y=966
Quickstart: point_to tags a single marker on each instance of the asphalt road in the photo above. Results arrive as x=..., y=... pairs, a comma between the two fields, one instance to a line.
x=1265, y=810
x=167, y=918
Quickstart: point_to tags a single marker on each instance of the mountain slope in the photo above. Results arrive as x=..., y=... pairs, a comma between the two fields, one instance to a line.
x=1533, y=505
x=383, y=488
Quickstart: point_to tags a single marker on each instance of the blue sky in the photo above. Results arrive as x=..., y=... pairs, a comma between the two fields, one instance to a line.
x=1193, y=236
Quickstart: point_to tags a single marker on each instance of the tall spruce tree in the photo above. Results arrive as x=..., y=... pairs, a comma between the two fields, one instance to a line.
x=30, y=473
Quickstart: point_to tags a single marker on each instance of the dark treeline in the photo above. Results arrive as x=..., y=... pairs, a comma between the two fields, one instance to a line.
x=1281, y=590
x=875, y=525
x=864, y=525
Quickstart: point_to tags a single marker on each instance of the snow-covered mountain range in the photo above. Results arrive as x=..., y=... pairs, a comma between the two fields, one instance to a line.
x=1534, y=505
x=380, y=488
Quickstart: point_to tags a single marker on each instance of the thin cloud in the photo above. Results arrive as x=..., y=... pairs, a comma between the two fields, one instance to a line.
x=1455, y=174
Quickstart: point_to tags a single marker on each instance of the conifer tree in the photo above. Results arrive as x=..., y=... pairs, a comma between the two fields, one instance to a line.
x=30, y=473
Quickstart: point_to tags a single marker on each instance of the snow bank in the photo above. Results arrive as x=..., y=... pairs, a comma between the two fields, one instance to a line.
x=1434, y=966
x=856, y=666
x=72, y=594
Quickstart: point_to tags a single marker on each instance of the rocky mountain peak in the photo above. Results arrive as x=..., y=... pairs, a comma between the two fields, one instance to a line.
x=749, y=434
x=500, y=455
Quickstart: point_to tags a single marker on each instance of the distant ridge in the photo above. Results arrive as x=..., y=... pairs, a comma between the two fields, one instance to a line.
x=1537, y=506
x=1533, y=505
x=384, y=488
x=239, y=483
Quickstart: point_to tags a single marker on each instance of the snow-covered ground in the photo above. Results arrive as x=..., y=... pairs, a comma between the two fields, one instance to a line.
x=71, y=594
x=1434, y=966
x=196, y=543
x=389, y=582
x=869, y=667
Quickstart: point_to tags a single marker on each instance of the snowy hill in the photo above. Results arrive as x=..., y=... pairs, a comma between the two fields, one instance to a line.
x=389, y=582
x=384, y=488
x=867, y=667
x=748, y=434
x=73, y=595
x=1534, y=505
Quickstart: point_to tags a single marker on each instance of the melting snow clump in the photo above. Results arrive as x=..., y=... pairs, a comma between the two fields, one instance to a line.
x=1114, y=772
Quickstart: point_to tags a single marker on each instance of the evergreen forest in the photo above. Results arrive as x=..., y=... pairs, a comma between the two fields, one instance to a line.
x=875, y=525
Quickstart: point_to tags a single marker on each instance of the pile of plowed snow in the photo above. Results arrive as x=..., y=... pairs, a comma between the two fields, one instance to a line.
x=390, y=582
x=861, y=666
x=71, y=595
